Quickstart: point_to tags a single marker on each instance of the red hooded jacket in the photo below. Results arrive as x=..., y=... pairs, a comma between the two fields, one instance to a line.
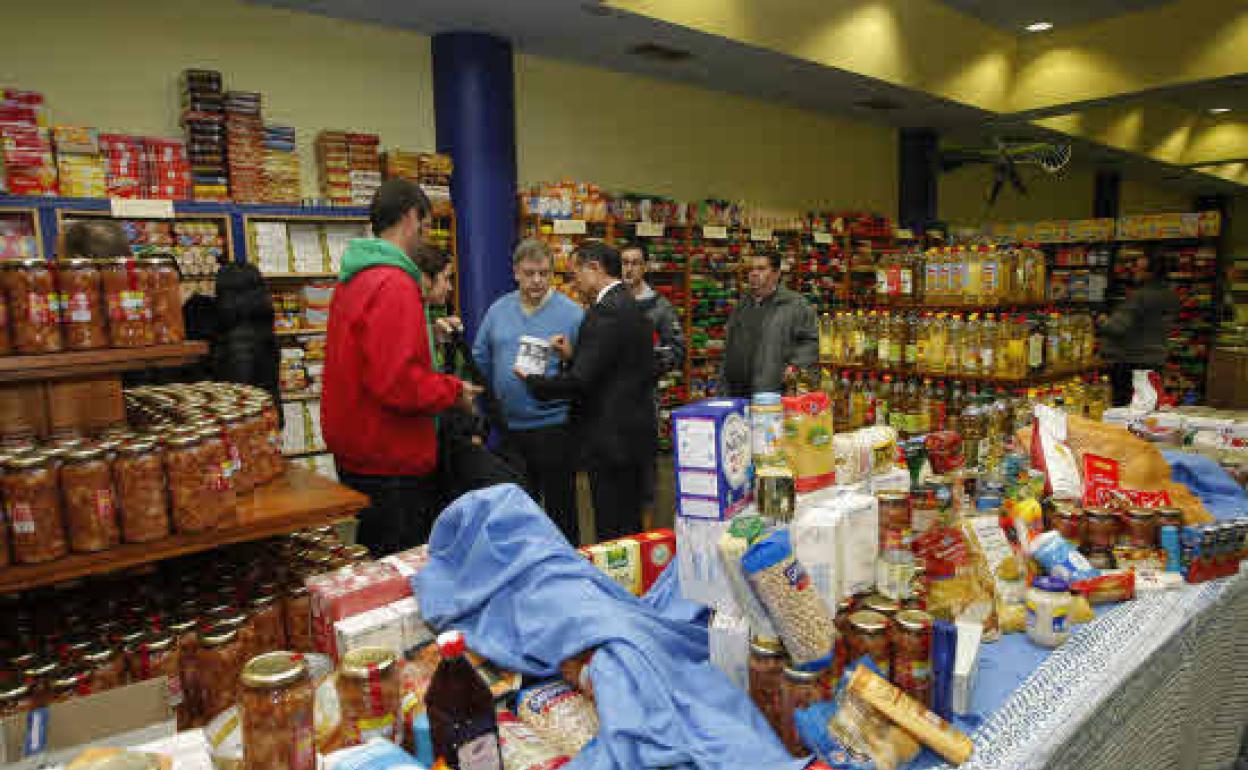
x=380, y=391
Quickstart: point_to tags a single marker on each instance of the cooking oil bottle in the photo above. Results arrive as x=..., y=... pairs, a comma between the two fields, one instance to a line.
x=969, y=347
x=955, y=331
x=988, y=341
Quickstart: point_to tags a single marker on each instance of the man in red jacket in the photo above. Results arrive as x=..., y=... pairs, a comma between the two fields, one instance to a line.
x=382, y=389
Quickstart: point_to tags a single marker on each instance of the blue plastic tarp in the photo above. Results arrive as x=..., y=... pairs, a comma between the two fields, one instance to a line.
x=502, y=573
x=1223, y=498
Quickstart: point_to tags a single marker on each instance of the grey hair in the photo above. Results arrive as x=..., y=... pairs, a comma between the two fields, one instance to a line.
x=530, y=248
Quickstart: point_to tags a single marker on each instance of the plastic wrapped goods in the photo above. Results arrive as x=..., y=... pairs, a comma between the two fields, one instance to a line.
x=792, y=602
x=736, y=540
x=559, y=714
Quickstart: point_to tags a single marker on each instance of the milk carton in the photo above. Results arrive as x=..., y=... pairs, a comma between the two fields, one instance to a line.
x=713, y=460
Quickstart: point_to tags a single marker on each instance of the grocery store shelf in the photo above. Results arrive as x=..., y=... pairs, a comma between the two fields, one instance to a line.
x=92, y=362
x=297, y=332
x=297, y=500
x=298, y=276
x=1038, y=379
x=306, y=452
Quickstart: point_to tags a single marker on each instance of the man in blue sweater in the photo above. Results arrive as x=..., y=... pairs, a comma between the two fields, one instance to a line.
x=517, y=332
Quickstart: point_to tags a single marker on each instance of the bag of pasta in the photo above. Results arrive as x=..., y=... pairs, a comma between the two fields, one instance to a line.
x=960, y=585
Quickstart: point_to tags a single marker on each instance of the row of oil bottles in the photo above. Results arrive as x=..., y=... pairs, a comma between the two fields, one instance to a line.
x=1001, y=345
x=915, y=407
x=962, y=275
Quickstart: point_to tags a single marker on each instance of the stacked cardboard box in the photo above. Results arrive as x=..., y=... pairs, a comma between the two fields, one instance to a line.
x=25, y=146
x=203, y=117
x=79, y=164
x=244, y=133
x=349, y=166
x=123, y=165
x=281, y=166
x=166, y=169
x=431, y=170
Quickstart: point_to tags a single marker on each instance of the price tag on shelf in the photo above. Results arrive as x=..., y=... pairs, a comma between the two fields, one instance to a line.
x=136, y=208
x=760, y=234
x=649, y=229
x=717, y=232
x=570, y=227
x=822, y=237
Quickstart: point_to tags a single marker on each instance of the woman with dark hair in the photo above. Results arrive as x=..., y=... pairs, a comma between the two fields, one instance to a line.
x=1134, y=336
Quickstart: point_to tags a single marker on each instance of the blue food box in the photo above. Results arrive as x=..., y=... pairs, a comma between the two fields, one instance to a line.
x=713, y=459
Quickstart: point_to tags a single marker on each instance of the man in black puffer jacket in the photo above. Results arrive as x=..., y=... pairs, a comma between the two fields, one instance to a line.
x=244, y=348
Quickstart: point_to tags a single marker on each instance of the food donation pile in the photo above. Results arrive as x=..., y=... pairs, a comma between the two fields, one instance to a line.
x=834, y=560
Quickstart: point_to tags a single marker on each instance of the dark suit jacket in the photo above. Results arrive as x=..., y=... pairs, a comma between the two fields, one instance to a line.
x=610, y=382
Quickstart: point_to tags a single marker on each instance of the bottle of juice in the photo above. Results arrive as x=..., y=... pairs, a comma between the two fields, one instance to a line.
x=461, y=711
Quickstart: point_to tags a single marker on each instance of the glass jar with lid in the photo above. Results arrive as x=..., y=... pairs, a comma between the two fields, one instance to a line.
x=87, y=492
x=1069, y=521
x=139, y=479
x=239, y=451
x=34, y=306
x=82, y=311
x=799, y=689
x=185, y=467
x=39, y=673
x=297, y=613
x=912, y=654
x=266, y=619
x=168, y=326
x=219, y=494
x=240, y=620
x=126, y=284
x=1100, y=529
x=217, y=665
x=258, y=435
x=33, y=508
x=105, y=666
x=1139, y=528
x=868, y=635
x=766, y=671
x=276, y=713
x=15, y=697
x=69, y=682
x=185, y=632
x=368, y=693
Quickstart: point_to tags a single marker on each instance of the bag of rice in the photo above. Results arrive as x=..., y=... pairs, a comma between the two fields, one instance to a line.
x=794, y=606
x=736, y=540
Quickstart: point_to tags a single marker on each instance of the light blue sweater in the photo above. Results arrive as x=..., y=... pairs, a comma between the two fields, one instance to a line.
x=496, y=345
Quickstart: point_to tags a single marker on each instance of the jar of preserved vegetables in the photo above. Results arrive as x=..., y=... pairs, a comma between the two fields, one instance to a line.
x=276, y=713
x=82, y=311
x=87, y=491
x=33, y=507
x=139, y=478
x=34, y=306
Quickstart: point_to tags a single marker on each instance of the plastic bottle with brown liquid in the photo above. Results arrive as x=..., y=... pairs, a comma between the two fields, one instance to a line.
x=461, y=711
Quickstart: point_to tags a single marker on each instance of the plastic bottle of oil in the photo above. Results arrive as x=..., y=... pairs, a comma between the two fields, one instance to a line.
x=988, y=343
x=857, y=403
x=938, y=336
x=826, y=338
x=954, y=332
x=969, y=347
x=938, y=405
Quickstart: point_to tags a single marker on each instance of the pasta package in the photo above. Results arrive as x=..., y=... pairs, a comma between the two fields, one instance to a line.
x=799, y=614
x=807, y=440
x=912, y=716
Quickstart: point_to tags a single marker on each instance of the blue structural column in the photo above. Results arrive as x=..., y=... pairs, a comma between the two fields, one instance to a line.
x=474, y=104
x=917, y=156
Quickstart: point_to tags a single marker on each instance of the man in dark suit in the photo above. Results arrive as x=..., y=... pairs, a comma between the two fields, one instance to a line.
x=610, y=379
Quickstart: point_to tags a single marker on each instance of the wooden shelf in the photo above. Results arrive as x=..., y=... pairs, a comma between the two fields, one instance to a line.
x=94, y=362
x=297, y=332
x=298, y=276
x=1039, y=379
x=297, y=500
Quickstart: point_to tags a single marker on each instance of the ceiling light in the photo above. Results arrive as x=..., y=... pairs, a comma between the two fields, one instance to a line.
x=1039, y=26
x=1219, y=110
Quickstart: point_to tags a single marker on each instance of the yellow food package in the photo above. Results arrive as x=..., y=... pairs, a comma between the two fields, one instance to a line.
x=807, y=440
x=1080, y=610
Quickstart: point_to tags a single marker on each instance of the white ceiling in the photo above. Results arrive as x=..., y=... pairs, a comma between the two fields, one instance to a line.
x=1013, y=15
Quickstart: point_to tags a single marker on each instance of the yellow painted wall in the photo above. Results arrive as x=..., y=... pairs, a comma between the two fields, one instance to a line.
x=115, y=65
x=1148, y=198
x=635, y=133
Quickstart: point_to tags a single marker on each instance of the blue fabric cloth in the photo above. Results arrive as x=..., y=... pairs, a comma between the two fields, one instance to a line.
x=502, y=573
x=1216, y=489
x=497, y=342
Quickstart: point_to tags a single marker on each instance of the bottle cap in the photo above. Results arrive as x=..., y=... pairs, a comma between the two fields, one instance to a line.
x=451, y=644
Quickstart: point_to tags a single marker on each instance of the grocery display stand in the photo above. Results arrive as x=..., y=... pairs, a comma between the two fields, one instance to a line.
x=27, y=218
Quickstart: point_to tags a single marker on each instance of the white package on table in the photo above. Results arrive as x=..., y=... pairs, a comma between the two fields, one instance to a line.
x=730, y=647
x=702, y=577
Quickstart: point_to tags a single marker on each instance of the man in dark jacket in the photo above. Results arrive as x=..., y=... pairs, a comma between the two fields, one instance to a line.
x=1134, y=336
x=773, y=328
x=609, y=379
x=382, y=388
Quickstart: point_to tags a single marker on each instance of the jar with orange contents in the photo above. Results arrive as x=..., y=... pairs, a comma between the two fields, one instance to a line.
x=33, y=507
x=139, y=479
x=188, y=493
x=185, y=632
x=297, y=613
x=217, y=665
x=106, y=667
x=15, y=697
x=912, y=654
x=868, y=635
x=168, y=326
x=87, y=490
x=70, y=682
x=798, y=690
x=276, y=713
x=34, y=306
x=82, y=310
x=127, y=298
x=239, y=449
x=266, y=619
x=220, y=494
x=368, y=692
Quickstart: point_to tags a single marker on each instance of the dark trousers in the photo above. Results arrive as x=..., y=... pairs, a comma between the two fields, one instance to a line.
x=618, y=492
x=1120, y=381
x=548, y=456
x=401, y=512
